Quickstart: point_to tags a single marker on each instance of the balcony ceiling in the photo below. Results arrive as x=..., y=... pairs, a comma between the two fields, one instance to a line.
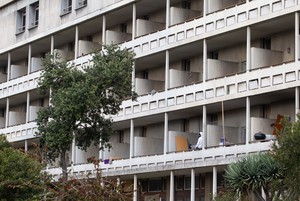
x=276, y=25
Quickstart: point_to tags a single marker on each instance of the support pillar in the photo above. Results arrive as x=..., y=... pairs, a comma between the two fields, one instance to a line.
x=29, y=59
x=248, y=123
x=248, y=49
x=104, y=30
x=297, y=37
x=52, y=45
x=131, y=138
x=167, y=72
x=76, y=41
x=167, y=14
x=166, y=134
x=27, y=107
x=204, y=126
x=135, y=195
x=296, y=102
x=133, y=21
x=192, y=184
x=215, y=179
x=204, y=61
x=7, y=113
x=172, y=186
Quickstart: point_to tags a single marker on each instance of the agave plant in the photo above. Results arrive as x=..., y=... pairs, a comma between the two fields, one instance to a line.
x=251, y=174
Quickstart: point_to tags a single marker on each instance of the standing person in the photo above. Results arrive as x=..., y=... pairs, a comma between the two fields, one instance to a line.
x=199, y=142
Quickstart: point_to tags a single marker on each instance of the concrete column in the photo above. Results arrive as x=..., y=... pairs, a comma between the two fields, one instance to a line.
x=135, y=195
x=29, y=59
x=8, y=66
x=297, y=37
x=133, y=21
x=296, y=102
x=204, y=7
x=133, y=77
x=52, y=44
x=167, y=72
x=215, y=175
x=26, y=145
x=248, y=49
x=76, y=41
x=166, y=133
x=192, y=184
x=204, y=60
x=104, y=30
x=73, y=157
x=204, y=126
x=248, y=119
x=131, y=138
x=7, y=113
x=172, y=186
x=27, y=107
x=167, y=14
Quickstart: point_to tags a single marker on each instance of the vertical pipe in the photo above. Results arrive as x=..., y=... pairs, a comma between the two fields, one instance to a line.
x=192, y=184
x=166, y=134
x=133, y=21
x=131, y=138
x=248, y=119
x=248, y=49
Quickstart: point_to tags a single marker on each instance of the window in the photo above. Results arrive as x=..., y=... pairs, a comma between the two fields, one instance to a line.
x=34, y=15
x=123, y=28
x=155, y=185
x=21, y=20
x=81, y=3
x=186, y=65
x=186, y=124
x=214, y=55
x=145, y=74
x=66, y=7
x=186, y=4
x=265, y=43
x=144, y=131
x=179, y=183
x=120, y=136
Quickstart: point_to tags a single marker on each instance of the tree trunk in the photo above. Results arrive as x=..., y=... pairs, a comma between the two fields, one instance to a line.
x=63, y=162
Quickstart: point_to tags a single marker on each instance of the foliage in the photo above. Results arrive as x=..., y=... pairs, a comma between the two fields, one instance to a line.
x=88, y=188
x=82, y=101
x=20, y=174
x=226, y=196
x=252, y=173
x=287, y=154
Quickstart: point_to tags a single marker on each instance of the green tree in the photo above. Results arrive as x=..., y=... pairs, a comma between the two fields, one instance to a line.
x=20, y=174
x=287, y=154
x=82, y=101
x=253, y=173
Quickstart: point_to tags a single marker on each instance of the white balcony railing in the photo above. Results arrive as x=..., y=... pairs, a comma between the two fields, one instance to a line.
x=202, y=158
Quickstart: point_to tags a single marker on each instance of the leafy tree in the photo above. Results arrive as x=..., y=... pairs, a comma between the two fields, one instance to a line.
x=253, y=173
x=20, y=174
x=287, y=153
x=82, y=101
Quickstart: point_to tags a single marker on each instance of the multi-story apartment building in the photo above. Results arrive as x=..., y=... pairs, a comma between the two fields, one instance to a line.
x=226, y=68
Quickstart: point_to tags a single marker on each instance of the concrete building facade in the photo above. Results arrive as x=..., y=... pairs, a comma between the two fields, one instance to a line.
x=226, y=68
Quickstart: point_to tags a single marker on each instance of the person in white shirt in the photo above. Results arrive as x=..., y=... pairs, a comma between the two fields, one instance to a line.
x=199, y=142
